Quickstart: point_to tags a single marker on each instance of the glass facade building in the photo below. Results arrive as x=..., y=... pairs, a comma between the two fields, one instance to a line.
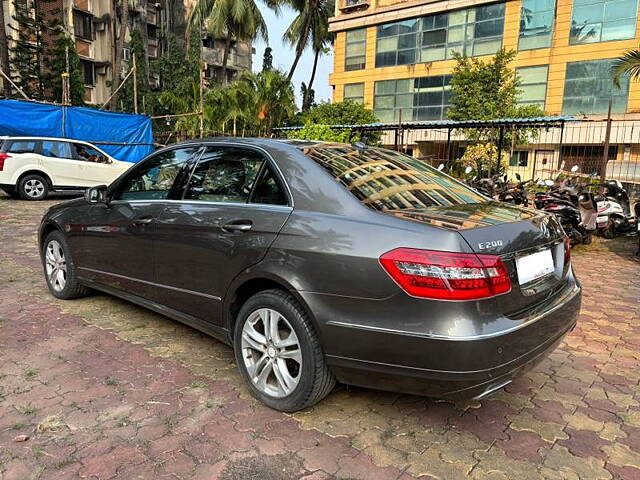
x=473, y=32
x=533, y=85
x=354, y=92
x=603, y=20
x=356, y=50
x=588, y=88
x=536, y=24
x=419, y=99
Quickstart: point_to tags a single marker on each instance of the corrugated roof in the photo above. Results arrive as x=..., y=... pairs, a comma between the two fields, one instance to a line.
x=548, y=120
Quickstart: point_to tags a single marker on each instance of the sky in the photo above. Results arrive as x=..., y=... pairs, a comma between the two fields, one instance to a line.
x=284, y=54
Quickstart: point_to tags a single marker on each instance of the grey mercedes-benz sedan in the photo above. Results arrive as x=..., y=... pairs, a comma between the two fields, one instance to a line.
x=324, y=262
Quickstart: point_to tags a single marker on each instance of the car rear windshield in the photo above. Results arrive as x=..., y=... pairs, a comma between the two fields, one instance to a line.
x=387, y=180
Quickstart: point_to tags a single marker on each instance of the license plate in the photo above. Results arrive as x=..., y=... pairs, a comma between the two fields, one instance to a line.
x=534, y=266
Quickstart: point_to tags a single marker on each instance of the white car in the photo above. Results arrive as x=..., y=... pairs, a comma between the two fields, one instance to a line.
x=31, y=167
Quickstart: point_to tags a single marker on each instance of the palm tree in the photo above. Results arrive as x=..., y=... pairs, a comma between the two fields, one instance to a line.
x=628, y=64
x=4, y=51
x=229, y=19
x=307, y=27
x=272, y=100
x=320, y=38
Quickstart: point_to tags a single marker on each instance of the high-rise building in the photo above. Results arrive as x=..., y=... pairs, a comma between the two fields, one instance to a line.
x=396, y=56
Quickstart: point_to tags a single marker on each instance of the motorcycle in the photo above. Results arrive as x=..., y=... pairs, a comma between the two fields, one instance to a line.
x=515, y=194
x=575, y=207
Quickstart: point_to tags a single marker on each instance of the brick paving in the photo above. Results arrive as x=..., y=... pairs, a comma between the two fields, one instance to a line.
x=99, y=388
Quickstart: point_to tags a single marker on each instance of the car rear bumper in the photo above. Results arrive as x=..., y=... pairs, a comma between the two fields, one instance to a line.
x=441, y=366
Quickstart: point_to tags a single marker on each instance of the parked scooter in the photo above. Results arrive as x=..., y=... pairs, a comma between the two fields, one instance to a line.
x=615, y=215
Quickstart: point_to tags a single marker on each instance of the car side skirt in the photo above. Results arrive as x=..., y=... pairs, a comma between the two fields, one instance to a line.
x=215, y=331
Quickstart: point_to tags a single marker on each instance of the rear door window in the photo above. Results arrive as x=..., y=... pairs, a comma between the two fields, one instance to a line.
x=86, y=153
x=387, y=180
x=53, y=149
x=268, y=190
x=22, y=146
x=224, y=174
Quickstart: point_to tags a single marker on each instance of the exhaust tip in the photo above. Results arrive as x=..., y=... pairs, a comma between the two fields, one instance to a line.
x=493, y=388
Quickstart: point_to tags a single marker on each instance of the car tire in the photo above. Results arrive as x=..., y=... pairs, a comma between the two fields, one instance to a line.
x=33, y=187
x=307, y=381
x=60, y=269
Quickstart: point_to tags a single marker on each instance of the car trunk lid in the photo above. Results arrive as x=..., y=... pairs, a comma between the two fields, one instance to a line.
x=514, y=234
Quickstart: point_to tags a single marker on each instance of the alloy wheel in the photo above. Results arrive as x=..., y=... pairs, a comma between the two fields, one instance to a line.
x=34, y=188
x=271, y=353
x=56, y=266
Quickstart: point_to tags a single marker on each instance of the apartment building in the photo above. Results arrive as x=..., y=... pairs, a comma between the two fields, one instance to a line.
x=396, y=58
x=94, y=26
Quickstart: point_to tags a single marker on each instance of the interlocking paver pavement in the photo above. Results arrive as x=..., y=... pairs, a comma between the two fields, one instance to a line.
x=104, y=389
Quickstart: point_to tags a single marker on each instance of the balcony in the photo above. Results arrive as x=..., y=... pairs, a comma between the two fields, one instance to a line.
x=349, y=6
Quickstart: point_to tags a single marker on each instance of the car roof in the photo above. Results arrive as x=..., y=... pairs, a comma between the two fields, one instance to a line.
x=264, y=142
x=33, y=137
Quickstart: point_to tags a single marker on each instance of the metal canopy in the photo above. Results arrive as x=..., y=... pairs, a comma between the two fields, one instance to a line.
x=452, y=124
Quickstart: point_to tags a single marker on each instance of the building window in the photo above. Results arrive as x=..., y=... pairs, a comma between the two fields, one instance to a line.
x=88, y=73
x=588, y=88
x=356, y=50
x=473, y=32
x=83, y=25
x=603, y=20
x=536, y=24
x=419, y=99
x=354, y=92
x=519, y=158
x=533, y=85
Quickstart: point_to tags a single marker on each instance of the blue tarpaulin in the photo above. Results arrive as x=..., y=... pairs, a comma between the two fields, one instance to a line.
x=124, y=136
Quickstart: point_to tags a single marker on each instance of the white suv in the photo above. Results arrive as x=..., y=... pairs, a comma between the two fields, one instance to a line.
x=31, y=167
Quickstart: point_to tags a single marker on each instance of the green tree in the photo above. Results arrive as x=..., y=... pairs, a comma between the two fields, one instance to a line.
x=58, y=66
x=136, y=46
x=321, y=133
x=120, y=46
x=485, y=90
x=27, y=50
x=230, y=19
x=488, y=90
x=271, y=100
x=626, y=65
x=4, y=52
x=341, y=113
x=309, y=28
x=267, y=59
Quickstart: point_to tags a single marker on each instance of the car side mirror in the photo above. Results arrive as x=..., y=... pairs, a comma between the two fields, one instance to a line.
x=95, y=195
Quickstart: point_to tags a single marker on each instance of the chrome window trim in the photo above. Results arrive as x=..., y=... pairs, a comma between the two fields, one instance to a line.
x=269, y=157
x=261, y=206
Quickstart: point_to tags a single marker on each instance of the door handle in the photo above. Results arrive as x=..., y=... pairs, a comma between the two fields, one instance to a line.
x=143, y=221
x=238, y=226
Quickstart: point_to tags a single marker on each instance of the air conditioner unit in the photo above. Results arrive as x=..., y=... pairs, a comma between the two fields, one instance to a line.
x=100, y=26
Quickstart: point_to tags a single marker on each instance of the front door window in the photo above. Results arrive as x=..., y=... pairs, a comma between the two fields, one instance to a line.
x=154, y=178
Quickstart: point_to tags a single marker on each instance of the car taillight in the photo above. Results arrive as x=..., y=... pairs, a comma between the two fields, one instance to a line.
x=447, y=276
x=567, y=250
x=3, y=157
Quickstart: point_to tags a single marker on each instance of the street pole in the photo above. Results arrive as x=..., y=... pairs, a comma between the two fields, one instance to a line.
x=135, y=85
x=607, y=141
x=66, y=93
